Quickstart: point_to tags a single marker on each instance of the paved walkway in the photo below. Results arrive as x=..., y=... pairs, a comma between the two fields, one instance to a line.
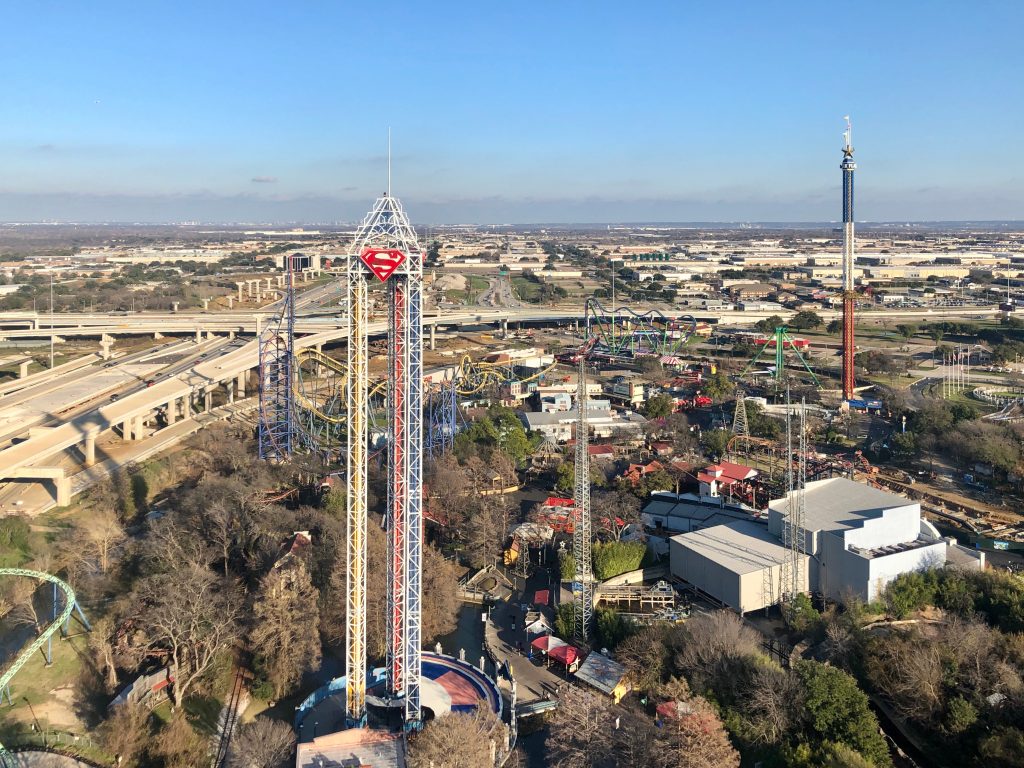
x=505, y=630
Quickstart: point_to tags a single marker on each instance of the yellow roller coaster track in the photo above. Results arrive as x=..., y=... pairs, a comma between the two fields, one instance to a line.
x=470, y=377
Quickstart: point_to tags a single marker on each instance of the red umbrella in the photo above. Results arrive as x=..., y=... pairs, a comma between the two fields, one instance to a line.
x=564, y=653
x=547, y=643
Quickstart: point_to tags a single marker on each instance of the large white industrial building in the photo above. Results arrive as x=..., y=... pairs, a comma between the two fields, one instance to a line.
x=739, y=564
x=857, y=540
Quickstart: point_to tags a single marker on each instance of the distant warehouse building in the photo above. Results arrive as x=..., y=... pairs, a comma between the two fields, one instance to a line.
x=858, y=539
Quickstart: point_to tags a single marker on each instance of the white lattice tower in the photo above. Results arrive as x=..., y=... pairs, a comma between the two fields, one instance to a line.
x=386, y=246
x=583, y=598
x=356, y=397
x=739, y=417
x=798, y=514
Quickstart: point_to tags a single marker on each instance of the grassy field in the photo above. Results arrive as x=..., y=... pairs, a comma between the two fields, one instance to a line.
x=474, y=285
x=525, y=289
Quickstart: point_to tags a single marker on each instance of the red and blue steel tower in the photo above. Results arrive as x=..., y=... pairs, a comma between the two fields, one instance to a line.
x=386, y=247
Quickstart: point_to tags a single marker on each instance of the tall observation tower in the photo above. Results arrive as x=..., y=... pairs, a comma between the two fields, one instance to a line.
x=849, y=298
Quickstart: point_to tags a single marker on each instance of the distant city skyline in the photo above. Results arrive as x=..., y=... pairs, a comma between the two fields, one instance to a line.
x=569, y=112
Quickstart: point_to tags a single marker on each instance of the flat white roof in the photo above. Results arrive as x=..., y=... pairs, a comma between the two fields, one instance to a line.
x=838, y=503
x=740, y=546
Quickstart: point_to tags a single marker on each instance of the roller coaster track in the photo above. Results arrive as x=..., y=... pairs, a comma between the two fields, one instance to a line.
x=59, y=622
x=338, y=368
x=471, y=377
x=653, y=329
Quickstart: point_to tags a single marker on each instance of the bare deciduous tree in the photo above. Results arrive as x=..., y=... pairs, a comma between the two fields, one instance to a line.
x=125, y=734
x=97, y=534
x=697, y=738
x=192, y=616
x=707, y=639
x=580, y=731
x=263, y=743
x=178, y=745
x=910, y=672
x=644, y=656
x=458, y=741
x=286, y=634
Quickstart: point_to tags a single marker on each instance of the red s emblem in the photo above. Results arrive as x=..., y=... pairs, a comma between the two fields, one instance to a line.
x=382, y=262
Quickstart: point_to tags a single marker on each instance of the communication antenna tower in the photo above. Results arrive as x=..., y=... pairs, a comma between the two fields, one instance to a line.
x=739, y=418
x=794, y=528
x=583, y=590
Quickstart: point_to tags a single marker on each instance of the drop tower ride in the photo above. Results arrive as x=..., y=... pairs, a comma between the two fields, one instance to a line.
x=849, y=297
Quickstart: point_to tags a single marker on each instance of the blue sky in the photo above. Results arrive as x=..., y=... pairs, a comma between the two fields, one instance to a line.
x=509, y=112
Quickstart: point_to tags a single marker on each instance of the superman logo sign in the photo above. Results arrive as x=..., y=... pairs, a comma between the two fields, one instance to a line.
x=382, y=262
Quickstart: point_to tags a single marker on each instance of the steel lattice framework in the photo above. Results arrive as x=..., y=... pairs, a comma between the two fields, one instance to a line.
x=386, y=246
x=469, y=378
x=782, y=341
x=277, y=429
x=622, y=331
x=583, y=589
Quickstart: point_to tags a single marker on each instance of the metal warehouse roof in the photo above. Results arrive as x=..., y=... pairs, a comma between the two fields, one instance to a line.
x=839, y=503
x=739, y=546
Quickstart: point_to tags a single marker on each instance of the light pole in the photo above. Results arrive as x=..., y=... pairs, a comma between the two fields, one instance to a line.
x=51, y=316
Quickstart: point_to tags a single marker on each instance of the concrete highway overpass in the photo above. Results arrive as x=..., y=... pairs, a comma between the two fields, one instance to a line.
x=180, y=394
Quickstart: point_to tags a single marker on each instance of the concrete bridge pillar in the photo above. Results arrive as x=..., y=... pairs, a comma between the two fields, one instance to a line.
x=231, y=335
x=240, y=384
x=23, y=368
x=239, y=286
x=503, y=324
x=63, y=488
x=206, y=304
x=157, y=336
x=231, y=301
x=175, y=305
x=433, y=337
x=106, y=342
x=208, y=400
x=172, y=411
x=257, y=318
x=280, y=281
x=139, y=429
x=199, y=335
x=270, y=283
x=90, y=449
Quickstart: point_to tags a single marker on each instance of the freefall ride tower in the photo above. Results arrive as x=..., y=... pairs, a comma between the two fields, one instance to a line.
x=386, y=249
x=849, y=297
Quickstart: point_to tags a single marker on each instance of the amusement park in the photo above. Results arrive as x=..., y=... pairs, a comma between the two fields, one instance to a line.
x=536, y=497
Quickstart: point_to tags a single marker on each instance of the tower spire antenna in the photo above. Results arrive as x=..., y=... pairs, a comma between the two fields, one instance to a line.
x=389, y=161
x=848, y=136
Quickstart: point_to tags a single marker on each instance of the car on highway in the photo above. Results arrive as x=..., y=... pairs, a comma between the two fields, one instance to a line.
x=114, y=396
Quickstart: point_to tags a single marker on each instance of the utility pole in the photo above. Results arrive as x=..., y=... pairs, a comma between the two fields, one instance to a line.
x=51, y=316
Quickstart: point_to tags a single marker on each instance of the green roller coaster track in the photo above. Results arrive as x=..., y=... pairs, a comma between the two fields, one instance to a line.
x=60, y=622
